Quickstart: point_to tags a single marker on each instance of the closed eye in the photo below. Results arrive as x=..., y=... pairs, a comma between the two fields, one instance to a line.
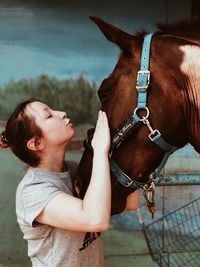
x=47, y=113
x=49, y=116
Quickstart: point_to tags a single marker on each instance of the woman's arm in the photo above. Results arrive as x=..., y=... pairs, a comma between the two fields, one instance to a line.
x=93, y=212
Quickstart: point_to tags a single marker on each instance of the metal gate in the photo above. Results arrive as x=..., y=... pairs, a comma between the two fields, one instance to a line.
x=178, y=206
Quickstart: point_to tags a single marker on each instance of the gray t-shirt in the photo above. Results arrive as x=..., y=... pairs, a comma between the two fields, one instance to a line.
x=47, y=245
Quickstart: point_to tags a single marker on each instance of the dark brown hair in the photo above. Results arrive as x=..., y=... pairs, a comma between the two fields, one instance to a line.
x=20, y=128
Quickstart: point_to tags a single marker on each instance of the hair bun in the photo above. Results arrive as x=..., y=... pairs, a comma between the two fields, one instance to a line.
x=3, y=140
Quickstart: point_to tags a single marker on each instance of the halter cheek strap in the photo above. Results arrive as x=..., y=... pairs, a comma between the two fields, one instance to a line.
x=143, y=76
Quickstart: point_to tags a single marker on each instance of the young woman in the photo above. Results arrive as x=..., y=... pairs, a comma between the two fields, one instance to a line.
x=53, y=221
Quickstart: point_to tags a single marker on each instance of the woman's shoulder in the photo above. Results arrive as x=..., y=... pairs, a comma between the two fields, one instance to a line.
x=28, y=178
x=35, y=177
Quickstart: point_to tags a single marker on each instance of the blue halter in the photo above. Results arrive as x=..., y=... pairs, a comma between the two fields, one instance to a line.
x=143, y=80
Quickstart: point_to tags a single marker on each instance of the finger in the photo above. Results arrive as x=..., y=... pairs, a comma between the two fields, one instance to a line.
x=105, y=119
x=100, y=117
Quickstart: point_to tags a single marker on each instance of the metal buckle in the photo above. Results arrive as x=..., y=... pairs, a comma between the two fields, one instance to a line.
x=127, y=183
x=142, y=88
x=153, y=134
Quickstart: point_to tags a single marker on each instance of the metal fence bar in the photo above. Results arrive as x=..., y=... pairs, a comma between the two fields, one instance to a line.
x=178, y=179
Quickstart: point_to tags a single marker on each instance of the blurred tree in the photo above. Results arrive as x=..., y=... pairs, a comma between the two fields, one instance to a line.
x=78, y=97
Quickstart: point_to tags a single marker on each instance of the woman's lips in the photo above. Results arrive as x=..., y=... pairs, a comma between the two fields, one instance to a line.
x=69, y=123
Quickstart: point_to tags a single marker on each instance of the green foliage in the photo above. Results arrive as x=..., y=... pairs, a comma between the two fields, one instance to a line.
x=78, y=97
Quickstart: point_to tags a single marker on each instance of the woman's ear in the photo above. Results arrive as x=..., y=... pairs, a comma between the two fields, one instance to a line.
x=35, y=145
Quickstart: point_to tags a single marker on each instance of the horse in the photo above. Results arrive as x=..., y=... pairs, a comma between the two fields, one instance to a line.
x=173, y=103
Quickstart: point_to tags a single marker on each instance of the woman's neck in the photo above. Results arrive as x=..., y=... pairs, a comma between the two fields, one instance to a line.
x=54, y=162
x=52, y=167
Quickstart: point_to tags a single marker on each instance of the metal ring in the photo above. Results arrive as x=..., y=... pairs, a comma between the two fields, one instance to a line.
x=143, y=117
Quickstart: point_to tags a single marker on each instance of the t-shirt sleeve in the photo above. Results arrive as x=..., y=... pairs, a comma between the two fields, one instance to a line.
x=35, y=197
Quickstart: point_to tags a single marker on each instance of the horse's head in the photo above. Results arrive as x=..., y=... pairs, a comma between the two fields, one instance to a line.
x=138, y=156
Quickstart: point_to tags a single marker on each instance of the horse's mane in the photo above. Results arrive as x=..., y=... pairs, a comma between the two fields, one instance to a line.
x=185, y=28
x=182, y=28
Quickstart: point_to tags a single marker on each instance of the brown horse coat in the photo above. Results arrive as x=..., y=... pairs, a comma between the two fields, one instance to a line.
x=173, y=100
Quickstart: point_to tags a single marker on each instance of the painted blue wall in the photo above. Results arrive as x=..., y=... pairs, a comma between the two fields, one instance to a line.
x=60, y=40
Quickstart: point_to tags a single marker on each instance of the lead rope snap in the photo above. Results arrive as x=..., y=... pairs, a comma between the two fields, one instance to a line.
x=149, y=194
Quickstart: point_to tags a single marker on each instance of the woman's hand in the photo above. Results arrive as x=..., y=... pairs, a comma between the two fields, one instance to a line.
x=101, y=138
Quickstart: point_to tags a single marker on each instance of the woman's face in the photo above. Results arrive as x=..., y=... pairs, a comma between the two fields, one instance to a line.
x=55, y=126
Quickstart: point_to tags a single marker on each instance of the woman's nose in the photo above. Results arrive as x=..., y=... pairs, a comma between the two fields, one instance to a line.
x=61, y=114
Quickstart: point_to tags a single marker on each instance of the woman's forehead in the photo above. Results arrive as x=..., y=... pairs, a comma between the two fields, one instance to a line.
x=36, y=108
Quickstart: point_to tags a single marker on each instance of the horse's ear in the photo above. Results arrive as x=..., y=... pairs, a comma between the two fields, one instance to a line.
x=115, y=35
